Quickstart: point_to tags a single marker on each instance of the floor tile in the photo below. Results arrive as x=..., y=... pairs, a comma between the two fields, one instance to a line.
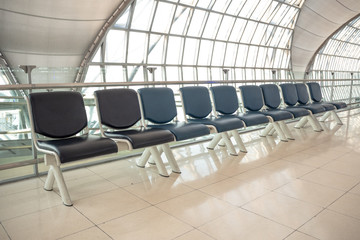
x=20, y=186
x=330, y=225
x=3, y=234
x=331, y=179
x=299, y=236
x=288, y=169
x=356, y=189
x=194, y=234
x=158, y=190
x=344, y=167
x=51, y=223
x=93, y=233
x=196, y=208
x=235, y=165
x=25, y=202
x=310, y=192
x=292, y=213
x=109, y=205
x=267, y=179
x=241, y=224
x=149, y=223
x=314, y=161
x=125, y=176
x=197, y=173
x=234, y=191
x=87, y=186
x=349, y=205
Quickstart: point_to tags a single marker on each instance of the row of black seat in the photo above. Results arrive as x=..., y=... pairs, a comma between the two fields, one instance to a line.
x=61, y=115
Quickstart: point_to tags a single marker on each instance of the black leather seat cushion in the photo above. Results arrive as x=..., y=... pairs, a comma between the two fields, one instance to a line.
x=221, y=124
x=314, y=108
x=297, y=111
x=327, y=106
x=76, y=148
x=338, y=105
x=252, y=119
x=183, y=131
x=143, y=138
x=276, y=115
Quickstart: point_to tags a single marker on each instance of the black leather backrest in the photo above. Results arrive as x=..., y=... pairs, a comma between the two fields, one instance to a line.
x=271, y=95
x=118, y=108
x=196, y=100
x=289, y=93
x=315, y=91
x=252, y=97
x=158, y=104
x=225, y=99
x=58, y=114
x=303, y=95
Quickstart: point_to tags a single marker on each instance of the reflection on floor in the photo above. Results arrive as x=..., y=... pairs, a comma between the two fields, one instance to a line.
x=303, y=189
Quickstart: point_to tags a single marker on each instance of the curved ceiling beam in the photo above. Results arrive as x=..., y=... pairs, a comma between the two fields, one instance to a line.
x=50, y=34
x=318, y=20
x=325, y=42
x=80, y=77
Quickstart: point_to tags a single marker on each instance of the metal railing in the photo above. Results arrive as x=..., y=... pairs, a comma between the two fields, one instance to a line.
x=16, y=149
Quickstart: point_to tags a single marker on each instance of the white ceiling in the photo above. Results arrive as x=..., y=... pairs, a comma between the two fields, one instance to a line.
x=318, y=20
x=59, y=33
x=51, y=33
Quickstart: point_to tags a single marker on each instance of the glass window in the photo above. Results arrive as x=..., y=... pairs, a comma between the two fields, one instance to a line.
x=248, y=8
x=205, y=3
x=203, y=73
x=115, y=74
x=218, y=54
x=173, y=74
x=180, y=20
x=212, y=25
x=136, y=74
x=235, y=7
x=241, y=55
x=123, y=20
x=115, y=45
x=205, y=53
x=196, y=39
x=197, y=23
x=163, y=17
x=156, y=47
x=225, y=28
x=137, y=47
x=221, y=6
x=189, y=74
x=174, y=50
x=142, y=14
x=190, y=51
x=230, y=54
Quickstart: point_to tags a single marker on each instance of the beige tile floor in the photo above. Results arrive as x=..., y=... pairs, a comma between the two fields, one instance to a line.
x=303, y=189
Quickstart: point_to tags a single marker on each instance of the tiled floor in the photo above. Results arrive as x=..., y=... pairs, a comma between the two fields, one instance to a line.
x=303, y=189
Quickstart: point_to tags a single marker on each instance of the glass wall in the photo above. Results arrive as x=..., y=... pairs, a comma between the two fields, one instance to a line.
x=339, y=59
x=191, y=40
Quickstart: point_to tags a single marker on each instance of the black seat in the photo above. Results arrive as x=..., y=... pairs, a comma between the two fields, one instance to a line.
x=119, y=110
x=272, y=101
x=253, y=101
x=227, y=105
x=197, y=107
x=304, y=100
x=316, y=97
x=60, y=116
x=159, y=108
x=291, y=99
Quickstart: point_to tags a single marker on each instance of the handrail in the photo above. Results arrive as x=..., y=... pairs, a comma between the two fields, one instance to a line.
x=127, y=84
